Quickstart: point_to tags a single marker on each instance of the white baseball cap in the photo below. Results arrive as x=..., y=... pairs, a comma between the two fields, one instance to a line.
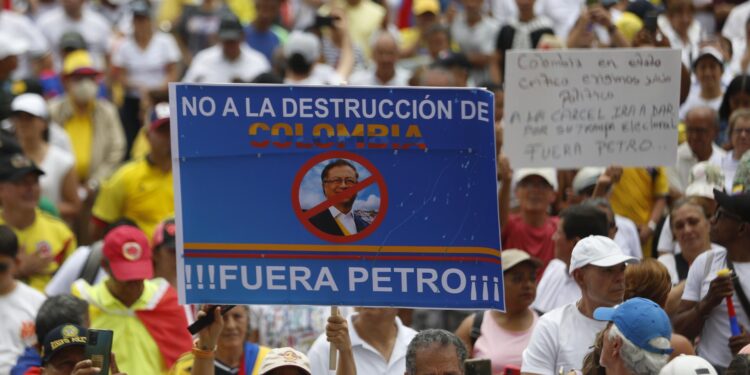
x=10, y=46
x=30, y=103
x=281, y=357
x=304, y=43
x=688, y=364
x=548, y=174
x=598, y=251
x=586, y=177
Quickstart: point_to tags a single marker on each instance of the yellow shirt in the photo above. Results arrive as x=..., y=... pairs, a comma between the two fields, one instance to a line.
x=171, y=10
x=47, y=234
x=363, y=19
x=136, y=350
x=184, y=364
x=633, y=197
x=81, y=133
x=139, y=191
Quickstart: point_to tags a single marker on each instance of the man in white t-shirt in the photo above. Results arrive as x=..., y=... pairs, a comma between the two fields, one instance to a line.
x=19, y=304
x=230, y=60
x=73, y=15
x=379, y=341
x=557, y=287
x=563, y=336
x=703, y=309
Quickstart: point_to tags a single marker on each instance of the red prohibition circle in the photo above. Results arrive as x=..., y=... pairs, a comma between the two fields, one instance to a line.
x=339, y=155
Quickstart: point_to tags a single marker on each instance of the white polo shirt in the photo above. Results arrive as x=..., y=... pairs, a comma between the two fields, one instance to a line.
x=368, y=360
x=561, y=338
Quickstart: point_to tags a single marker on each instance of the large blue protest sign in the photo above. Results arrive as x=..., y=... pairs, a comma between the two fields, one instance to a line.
x=336, y=196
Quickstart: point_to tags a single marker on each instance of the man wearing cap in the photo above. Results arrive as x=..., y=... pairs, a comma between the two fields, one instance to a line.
x=18, y=304
x=230, y=60
x=63, y=352
x=638, y=340
x=532, y=228
x=688, y=364
x=701, y=127
x=703, y=309
x=74, y=16
x=563, y=336
x=148, y=323
x=92, y=123
x=708, y=67
x=141, y=190
x=45, y=241
x=558, y=287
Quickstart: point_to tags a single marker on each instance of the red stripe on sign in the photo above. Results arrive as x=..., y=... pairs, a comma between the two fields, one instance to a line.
x=341, y=257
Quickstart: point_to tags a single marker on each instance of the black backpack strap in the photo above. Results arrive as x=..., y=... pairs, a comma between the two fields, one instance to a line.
x=738, y=288
x=93, y=263
x=682, y=266
x=476, y=327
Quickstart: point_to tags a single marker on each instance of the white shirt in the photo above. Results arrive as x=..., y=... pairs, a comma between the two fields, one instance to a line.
x=479, y=38
x=210, y=66
x=367, y=359
x=93, y=27
x=695, y=100
x=563, y=13
x=686, y=160
x=689, y=48
x=368, y=78
x=627, y=237
x=70, y=271
x=734, y=27
x=347, y=220
x=669, y=261
x=19, y=27
x=556, y=288
x=17, y=314
x=561, y=338
x=714, y=343
x=146, y=68
x=322, y=74
x=56, y=165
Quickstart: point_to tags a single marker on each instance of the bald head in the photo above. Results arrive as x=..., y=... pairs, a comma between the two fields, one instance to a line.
x=385, y=51
x=701, y=127
x=437, y=77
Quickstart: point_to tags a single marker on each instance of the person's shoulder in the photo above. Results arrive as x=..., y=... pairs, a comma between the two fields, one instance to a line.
x=360, y=77
x=61, y=156
x=127, y=170
x=555, y=318
x=624, y=222
x=93, y=18
x=51, y=19
x=29, y=294
x=253, y=56
x=208, y=55
x=53, y=221
x=319, y=348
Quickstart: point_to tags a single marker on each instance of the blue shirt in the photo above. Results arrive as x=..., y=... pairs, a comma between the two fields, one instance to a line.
x=264, y=42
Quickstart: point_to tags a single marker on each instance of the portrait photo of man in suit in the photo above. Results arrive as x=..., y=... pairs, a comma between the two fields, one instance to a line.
x=339, y=219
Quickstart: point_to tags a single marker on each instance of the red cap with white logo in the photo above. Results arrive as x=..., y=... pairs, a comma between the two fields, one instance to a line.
x=129, y=255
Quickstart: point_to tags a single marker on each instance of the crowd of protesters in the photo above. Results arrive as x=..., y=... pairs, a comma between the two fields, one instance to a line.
x=617, y=270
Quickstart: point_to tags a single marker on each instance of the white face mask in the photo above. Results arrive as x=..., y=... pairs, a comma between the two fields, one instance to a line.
x=84, y=90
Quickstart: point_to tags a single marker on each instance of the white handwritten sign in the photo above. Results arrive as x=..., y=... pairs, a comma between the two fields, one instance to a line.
x=578, y=108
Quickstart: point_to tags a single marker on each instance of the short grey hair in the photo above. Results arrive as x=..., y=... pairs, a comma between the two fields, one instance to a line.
x=637, y=360
x=426, y=339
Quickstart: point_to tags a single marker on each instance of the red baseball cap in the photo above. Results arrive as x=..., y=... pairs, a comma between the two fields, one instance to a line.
x=129, y=255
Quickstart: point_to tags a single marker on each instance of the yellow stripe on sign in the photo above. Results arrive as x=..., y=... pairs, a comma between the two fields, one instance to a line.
x=352, y=248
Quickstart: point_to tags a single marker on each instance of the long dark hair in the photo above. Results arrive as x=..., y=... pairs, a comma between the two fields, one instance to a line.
x=739, y=84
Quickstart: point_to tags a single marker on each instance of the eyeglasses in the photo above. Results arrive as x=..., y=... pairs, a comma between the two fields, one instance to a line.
x=340, y=181
x=721, y=212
